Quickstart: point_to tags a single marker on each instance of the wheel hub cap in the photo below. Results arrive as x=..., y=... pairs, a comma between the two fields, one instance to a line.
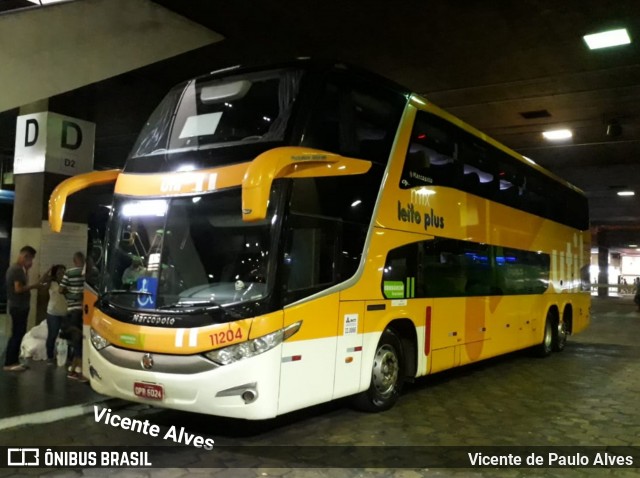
x=385, y=370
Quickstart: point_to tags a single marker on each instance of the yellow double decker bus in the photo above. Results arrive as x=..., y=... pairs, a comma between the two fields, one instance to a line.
x=284, y=236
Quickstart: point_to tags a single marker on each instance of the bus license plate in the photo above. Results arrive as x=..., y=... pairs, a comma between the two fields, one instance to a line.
x=148, y=390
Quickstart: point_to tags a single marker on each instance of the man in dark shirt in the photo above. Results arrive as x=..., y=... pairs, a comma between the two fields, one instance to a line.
x=18, y=302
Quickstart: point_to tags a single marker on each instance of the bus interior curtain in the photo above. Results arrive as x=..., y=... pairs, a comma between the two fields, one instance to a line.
x=287, y=91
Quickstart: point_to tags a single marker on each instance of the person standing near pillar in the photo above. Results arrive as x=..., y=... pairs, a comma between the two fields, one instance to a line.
x=72, y=286
x=18, y=304
x=56, y=309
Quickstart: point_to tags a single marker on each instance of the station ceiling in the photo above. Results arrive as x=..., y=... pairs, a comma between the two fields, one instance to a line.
x=511, y=69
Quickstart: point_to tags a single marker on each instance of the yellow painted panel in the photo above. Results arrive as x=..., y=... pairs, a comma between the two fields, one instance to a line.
x=170, y=340
x=265, y=324
x=474, y=351
x=319, y=318
x=185, y=182
x=448, y=322
x=443, y=359
x=89, y=298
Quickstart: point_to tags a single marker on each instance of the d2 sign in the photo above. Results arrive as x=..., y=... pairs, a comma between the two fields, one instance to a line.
x=53, y=143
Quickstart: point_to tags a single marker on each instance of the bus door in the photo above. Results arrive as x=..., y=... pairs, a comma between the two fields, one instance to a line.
x=311, y=247
x=308, y=358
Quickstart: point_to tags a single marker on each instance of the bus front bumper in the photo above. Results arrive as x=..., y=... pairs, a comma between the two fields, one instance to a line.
x=245, y=389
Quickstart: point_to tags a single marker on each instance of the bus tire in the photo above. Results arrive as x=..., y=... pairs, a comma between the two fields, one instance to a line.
x=546, y=346
x=386, y=376
x=559, y=337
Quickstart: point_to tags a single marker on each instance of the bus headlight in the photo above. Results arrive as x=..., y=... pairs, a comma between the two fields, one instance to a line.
x=251, y=348
x=98, y=341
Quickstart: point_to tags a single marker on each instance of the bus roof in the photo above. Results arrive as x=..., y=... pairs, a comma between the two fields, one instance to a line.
x=309, y=64
x=325, y=65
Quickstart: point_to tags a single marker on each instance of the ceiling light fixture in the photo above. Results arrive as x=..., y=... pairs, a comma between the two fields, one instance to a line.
x=45, y=2
x=626, y=193
x=557, y=134
x=607, y=39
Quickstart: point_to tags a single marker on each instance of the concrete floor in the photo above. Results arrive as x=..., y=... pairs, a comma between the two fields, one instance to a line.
x=585, y=396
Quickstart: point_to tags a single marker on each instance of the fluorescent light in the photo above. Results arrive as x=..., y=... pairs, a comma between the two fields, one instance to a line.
x=45, y=2
x=607, y=39
x=626, y=193
x=633, y=245
x=157, y=207
x=557, y=134
x=423, y=192
x=186, y=167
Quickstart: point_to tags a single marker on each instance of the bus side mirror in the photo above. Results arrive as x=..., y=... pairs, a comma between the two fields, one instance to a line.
x=72, y=185
x=290, y=162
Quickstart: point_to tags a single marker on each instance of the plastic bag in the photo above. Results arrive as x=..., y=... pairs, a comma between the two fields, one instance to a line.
x=62, y=349
x=33, y=344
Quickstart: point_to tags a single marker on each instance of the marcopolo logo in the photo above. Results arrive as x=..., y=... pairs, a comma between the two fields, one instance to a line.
x=23, y=457
x=146, y=319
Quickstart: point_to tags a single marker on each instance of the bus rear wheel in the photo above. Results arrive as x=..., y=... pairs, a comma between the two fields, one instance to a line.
x=386, y=376
x=545, y=347
x=560, y=337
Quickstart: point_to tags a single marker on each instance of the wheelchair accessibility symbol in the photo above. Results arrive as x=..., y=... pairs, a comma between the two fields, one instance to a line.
x=149, y=287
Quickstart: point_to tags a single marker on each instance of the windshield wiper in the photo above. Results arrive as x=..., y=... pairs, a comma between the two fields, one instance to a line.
x=123, y=291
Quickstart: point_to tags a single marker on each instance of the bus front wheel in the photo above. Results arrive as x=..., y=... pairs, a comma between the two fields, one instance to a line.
x=386, y=376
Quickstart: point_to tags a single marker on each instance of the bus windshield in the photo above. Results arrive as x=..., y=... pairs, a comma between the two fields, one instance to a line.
x=209, y=113
x=186, y=252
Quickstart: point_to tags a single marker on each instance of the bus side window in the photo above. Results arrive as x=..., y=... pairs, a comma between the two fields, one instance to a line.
x=430, y=157
x=399, y=275
x=310, y=257
x=355, y=117
x=535, y=197
x=443, y=273
x=478, y=172
x=417, y=170
x=523, y=272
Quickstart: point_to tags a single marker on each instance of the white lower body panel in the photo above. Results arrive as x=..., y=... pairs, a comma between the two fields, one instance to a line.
x=198, y=392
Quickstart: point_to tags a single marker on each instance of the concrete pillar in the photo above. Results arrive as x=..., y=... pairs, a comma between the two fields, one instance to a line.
x=603, y=264
x=49, y=148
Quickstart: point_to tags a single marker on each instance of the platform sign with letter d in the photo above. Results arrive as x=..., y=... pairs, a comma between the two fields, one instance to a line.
x=53, y=143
